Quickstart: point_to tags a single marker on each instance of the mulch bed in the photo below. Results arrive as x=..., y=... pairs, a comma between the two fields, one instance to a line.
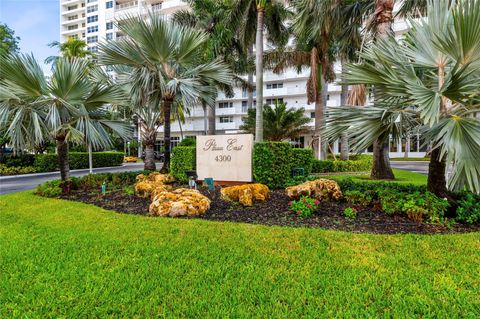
x=275, y=212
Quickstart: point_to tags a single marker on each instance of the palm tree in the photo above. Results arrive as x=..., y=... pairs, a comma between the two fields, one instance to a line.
x=433, y=74
x=254, y=17
x=211, y=17
x=72, y=48
x=70, y=107
x=279, y=122
x=164, y=63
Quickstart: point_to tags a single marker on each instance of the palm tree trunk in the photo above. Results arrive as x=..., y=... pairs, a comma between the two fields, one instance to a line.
x=381, y=161
x=62, y=153
x=149, y=139
x=250, y=82
x=344, y=149
x=259, y=75
x=211, y=119
x=205, y=119
x=167, y=107
x=436, y=182
x=319, y=147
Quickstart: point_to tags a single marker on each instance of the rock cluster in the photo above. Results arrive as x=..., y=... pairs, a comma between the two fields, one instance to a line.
x=154, y=182
x=321, y=189
x=179, y=202
x=245, y=194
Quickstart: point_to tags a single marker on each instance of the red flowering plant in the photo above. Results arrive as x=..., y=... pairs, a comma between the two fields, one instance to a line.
x=304, y=207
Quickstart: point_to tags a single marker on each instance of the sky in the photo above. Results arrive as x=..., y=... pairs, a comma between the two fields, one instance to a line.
x=36, y=22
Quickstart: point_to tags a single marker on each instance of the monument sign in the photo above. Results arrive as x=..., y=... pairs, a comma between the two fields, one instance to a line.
x=225, y=157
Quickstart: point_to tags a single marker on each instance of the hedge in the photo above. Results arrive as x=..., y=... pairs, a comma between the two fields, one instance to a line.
x=183, y=159
x=272, y=163
x=78, y=160
x=303, y=158
x=358, y=163
x=22, y=160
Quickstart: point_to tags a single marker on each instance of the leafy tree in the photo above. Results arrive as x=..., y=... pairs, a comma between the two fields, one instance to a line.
x=72, y=48
x=432, y=76
x=279, y=123
x=253, y=17
x=8, y=40
x=69, y=107
x=166, y=70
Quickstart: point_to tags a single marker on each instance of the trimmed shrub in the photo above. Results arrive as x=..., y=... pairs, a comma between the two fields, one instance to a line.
x=272, y=163
x=78, y=160
x=302, y=158
x=183, y=159
x=22, y=160
x=14, y=170
x=188, y=141
x=357, y=163
x=469, y=208
x=49, y=189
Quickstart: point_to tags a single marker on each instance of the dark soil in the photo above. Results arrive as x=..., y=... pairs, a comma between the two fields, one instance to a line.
x=275, y=212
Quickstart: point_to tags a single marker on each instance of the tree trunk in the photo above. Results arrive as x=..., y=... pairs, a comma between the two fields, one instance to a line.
x=320, y=102
x=381, y=162
x=211, y=119
x=259, y=76
x=250, y=82
x=167, y=106
x=149, y=139
x=344, y=149
x=205, y=119
x=436, y=182
x=62, y=153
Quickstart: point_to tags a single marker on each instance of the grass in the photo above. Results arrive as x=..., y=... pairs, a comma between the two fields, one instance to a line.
x=66, y=259
x=401, y=176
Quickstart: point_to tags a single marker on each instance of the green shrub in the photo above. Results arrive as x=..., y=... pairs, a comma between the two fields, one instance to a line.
x=22, y=160
x=359, y=198
x=350, y=213
x=272, y=163
x=468, y=210
x=183, y=159
x=189, y=141
x=357, y=163
x=304, y=207
x=14, y=170
x=129, y=190
x=78, y=160
x=303, y=158
x=348, y=184
x=49, y=189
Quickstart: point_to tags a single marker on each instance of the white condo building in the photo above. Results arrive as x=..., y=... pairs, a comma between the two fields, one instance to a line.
x=93, y=21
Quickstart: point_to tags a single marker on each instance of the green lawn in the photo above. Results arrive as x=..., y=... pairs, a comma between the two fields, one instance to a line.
x=401, y=176
x=71, y=260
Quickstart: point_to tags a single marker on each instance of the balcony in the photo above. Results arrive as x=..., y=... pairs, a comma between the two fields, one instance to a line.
x=126, y=5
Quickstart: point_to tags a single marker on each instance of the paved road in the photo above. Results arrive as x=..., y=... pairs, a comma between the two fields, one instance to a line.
x=417, y=167
x=11, y=184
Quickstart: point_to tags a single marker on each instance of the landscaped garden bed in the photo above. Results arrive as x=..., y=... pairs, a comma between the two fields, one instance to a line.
x=276, y=210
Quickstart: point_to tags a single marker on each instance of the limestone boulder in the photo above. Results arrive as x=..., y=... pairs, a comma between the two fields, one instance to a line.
x=321, y=189
x=147, y=185
x=179, y=202
x=246, y=194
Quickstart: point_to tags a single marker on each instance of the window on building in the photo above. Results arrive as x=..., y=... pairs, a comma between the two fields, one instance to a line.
x=174, y=140
x=109, y=25
x=110, y=36
x=91, y=1
x=245, y=93
x=312, y=115
x=92, y=39
x=92, y=19
x=73, y=27
x=92, y=8
x=225, y=105
x=244, y=106
x=298, y=142
x=274, y=86
x=93, y=49
x=274, y=100
x=109, y=4
x=226, y=119
x=75, y=17
x=92, y=29
x=328, y=97
x=72, y=7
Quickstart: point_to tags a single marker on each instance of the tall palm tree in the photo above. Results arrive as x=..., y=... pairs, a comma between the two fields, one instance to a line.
x=211, y=16
x=434, y=75
x=69, y=107
x=164, y=63
x=253, y=17
x=72, y=48
x=279, y=122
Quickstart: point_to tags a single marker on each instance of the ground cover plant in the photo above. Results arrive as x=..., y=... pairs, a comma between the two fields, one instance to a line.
x=68, y=259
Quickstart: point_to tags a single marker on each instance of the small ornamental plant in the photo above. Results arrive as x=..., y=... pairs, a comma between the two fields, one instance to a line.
x=304, y=207
x=350, y=213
